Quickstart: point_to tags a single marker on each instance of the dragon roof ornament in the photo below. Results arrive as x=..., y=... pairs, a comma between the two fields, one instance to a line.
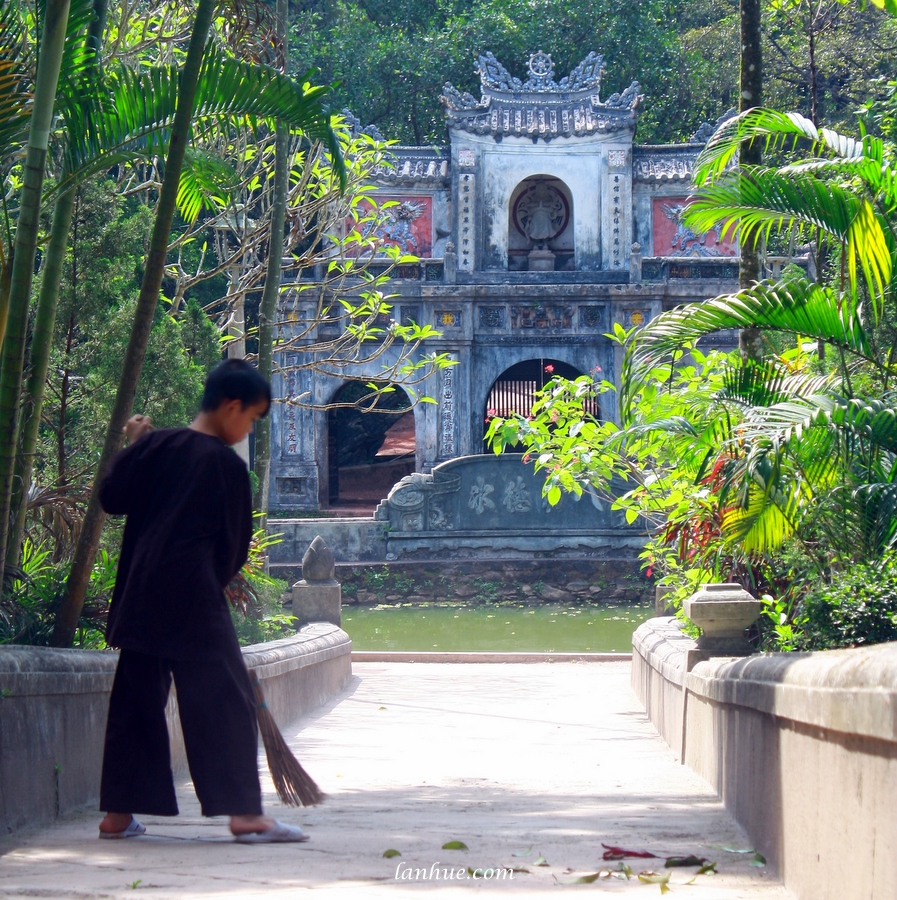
x=541, y=107
x=585, y=77
x=708, y=129
x=356, y=128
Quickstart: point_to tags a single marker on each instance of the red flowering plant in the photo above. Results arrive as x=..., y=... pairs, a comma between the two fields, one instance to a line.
x=674, y=463
x=777, y=471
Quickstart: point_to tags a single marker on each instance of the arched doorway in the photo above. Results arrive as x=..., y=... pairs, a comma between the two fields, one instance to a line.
x=514, y=391
x=370, y=446
x=540, y=226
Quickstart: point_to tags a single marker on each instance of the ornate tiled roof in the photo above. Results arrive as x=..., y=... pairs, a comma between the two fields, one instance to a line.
x=413, y=165
x=541, y=107
x=664, y=163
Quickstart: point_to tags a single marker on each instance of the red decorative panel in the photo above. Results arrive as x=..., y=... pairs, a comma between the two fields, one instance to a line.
x=672, y=238
x=408, y=224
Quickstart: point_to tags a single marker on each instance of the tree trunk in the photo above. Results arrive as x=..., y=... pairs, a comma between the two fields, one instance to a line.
x=52, y=44
x=41, y=346
x=86, y=550
x=5, y=280
x=750, y=341
x=271, y=292
x=42, y=332
x=62, y=471
x=236, y=349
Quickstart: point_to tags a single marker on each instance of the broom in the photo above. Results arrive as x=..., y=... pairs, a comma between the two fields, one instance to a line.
x=294, y=785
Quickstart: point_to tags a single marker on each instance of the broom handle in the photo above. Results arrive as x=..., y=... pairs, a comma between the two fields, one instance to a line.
x=260, y=701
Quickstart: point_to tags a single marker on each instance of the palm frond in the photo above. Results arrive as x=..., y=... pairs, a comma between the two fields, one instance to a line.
x=778, y=131
x=15, y=109
x=878, y=505
x=798, y=429
x=820, y=444
x=78, y=60
x=761, y=525
x=754, y=383
x=207, y=182
x=670, y=425
x=15, y=78
x=876, y=175
x=760, y=201
x=872, y=419
x=797, y=306
x=134, y=114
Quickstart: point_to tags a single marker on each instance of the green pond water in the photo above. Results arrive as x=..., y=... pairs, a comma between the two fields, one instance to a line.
x=548, y=628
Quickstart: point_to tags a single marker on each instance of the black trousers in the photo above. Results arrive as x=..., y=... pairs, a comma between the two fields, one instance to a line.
x=218, y=719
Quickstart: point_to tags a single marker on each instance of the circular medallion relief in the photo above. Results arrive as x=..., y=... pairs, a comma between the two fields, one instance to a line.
x=540, y=64
x=541, y=212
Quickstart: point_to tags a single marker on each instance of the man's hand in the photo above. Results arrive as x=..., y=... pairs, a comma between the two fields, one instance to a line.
x=136, y=427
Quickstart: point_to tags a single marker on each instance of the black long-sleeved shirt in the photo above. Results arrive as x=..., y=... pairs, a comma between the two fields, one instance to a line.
x=187, y=499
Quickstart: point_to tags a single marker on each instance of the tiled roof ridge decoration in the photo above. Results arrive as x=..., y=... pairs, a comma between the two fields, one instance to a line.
x=403, y=165
x=411, y=165
x=664, y=164
x=541, y=107
x=585, y=77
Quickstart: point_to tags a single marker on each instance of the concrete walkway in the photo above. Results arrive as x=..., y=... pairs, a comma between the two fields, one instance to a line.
x=516, y=761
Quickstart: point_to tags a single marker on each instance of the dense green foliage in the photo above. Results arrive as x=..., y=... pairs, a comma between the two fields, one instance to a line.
x=392, y=61
x=100, y=281
x=858, y=607
x=264, y=619
x=779, y=473
x=841, y=47
x=35, y=590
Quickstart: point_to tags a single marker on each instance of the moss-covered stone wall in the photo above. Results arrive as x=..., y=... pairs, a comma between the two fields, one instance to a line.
x=529, y=581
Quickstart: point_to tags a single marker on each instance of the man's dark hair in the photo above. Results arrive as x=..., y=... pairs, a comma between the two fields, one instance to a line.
x=235, y=379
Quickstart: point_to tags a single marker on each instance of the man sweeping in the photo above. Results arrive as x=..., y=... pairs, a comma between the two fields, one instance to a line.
x=186, y=495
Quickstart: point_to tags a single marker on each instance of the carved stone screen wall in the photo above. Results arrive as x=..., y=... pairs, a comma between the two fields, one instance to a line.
x=493, y=505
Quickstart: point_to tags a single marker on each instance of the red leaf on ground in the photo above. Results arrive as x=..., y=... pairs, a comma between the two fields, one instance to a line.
x=623, y=853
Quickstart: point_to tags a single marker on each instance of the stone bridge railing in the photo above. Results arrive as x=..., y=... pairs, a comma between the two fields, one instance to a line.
x=53, y=706
x=801, y=747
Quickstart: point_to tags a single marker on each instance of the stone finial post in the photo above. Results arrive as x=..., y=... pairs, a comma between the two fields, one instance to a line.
x=723, y=612
x=318, y=596
x=661, y=607
x=635, y=264
x=449, y=264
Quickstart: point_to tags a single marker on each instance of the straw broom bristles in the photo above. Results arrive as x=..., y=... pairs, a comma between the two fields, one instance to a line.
x=294, y=785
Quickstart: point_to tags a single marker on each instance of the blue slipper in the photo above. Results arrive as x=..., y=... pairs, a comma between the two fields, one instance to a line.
x=134, y=829
x=278, y=833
